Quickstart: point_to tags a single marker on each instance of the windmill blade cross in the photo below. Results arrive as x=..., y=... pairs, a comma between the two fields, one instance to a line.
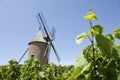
x=49, y=37
x=39, y=23
x=58, y=58
x=43, y=25
x=52, y=33
x=22, y=56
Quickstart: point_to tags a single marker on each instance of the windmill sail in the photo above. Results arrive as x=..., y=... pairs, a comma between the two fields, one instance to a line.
x=40, y=15
x=40, y=26
x=52, y=33
x=22, y=56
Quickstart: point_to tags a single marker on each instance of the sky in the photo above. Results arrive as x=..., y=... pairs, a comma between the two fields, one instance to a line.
x=18, y=25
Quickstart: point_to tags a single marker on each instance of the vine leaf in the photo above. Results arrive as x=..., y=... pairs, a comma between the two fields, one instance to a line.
x=81, y=37
x=97, y=29
x=90, y=16
x=117, y=33
x=81, y=60
x=105, y=45
x=109, y=36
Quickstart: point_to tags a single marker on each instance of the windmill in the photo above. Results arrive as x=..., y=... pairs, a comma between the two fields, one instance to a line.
x=40, y=46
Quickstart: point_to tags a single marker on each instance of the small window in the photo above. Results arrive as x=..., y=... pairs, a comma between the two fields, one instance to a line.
x=32, y=56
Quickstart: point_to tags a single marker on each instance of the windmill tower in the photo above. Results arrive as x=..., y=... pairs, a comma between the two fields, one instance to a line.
x=41, y=44
x=38, y=48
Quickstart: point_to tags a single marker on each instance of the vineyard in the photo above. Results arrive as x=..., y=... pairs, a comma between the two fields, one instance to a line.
x=100, y=60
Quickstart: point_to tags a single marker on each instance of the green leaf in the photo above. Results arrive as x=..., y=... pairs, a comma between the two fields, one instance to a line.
x=117, y=33
x=86, y=51
x=80, y=38
x=116, y=51
x=110, y=74
x=109, y=36
x=42, y=74
x=97, y=29
x=104, y=44
x=81, y=61
x=90, y=16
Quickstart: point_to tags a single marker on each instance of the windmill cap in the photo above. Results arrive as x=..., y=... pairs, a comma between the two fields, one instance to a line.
x=38, y=38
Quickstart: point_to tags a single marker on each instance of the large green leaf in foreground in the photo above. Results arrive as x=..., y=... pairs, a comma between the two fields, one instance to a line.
x=104, y=44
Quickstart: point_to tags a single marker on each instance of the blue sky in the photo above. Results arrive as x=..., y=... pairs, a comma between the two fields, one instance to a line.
x=18, y=25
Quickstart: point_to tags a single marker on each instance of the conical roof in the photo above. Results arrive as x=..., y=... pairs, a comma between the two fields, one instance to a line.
x=38, y=38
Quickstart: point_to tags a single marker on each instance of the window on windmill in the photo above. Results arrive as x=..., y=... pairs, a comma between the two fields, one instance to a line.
x=32, y=56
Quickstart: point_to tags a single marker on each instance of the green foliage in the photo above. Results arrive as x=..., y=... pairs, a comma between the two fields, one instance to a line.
x=101, y=59
x=117, y=33
x=11, y=71
x=32, y=70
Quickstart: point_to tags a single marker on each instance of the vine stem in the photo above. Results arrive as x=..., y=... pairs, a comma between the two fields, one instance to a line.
x=93, y=49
